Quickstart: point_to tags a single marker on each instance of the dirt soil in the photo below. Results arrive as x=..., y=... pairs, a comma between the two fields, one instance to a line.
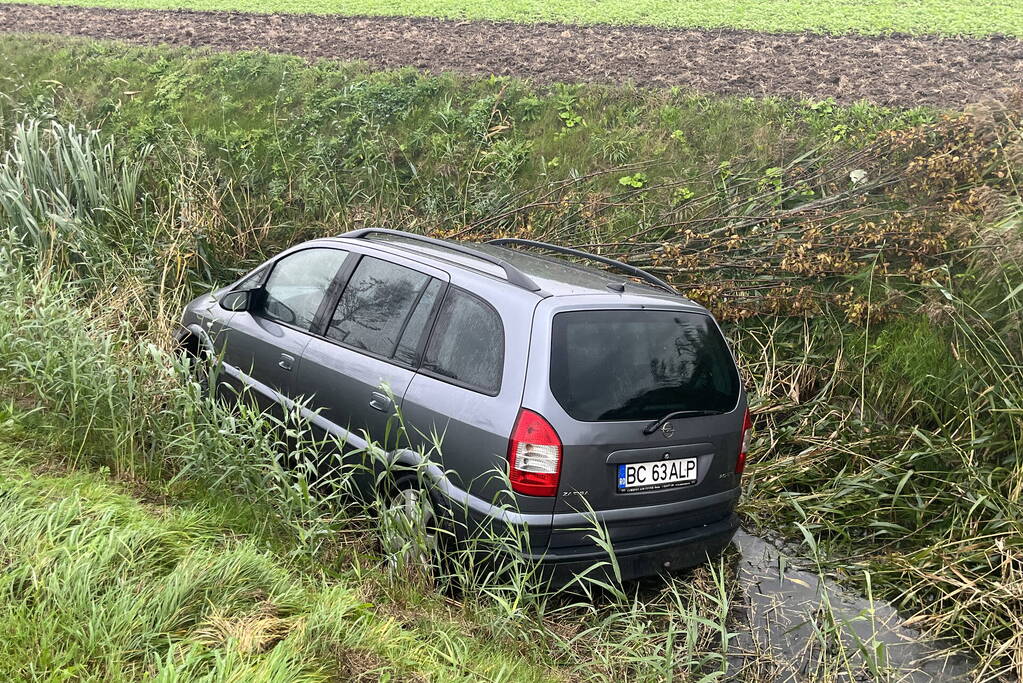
x=898, y=70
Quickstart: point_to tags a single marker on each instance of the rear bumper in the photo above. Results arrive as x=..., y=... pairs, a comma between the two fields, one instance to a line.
x=650, y=556
x=692, y=531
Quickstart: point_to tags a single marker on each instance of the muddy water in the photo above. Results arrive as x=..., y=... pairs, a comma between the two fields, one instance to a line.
x=794, y=622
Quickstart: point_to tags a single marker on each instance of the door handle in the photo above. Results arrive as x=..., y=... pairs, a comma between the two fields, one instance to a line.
x=381, y=402
x=286, y=362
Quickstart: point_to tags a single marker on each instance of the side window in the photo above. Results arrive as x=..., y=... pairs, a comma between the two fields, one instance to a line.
x=467, y=343
x=408, y=346
x=375, y=304
x=298, y=283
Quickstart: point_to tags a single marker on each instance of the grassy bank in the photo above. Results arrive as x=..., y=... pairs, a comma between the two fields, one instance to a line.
x=99, y=586
x=866, y=262
x=243, y=153
x=946, y=17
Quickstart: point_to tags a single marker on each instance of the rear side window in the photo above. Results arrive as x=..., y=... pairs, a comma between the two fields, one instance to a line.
x=298, y=283
x=467, y=343
x=374, y=306
x=640, y=365
x=408, y=346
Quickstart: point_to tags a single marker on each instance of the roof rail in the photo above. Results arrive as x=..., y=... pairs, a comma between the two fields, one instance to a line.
x=631, y=270
x=514, y=275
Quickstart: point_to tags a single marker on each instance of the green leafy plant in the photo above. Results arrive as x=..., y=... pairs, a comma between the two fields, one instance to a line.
x=636, y=180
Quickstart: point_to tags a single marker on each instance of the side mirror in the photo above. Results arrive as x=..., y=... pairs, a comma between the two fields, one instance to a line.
x=237, y=301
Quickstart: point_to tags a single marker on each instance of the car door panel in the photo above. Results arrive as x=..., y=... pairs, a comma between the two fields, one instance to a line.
x=262, y=348
x=265, y=354
x=352, y=390
x=349, y=374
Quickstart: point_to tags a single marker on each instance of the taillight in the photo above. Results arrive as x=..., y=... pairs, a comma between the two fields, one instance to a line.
x=747, y=431
x=534, y=456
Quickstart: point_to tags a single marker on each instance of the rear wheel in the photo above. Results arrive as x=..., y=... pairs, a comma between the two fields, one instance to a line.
x=408, y=531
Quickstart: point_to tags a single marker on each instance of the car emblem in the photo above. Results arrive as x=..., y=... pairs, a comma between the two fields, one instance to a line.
x=668, y=430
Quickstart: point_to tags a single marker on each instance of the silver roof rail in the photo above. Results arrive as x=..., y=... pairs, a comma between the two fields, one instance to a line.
x=513, y=274
x=625, y=267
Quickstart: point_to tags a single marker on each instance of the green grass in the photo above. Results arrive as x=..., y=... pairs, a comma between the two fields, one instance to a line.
x=98, y=586
x=950, y=17
x=298, y=149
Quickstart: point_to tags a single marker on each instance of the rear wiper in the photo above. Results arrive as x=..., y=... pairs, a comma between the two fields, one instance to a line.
x=656, y=424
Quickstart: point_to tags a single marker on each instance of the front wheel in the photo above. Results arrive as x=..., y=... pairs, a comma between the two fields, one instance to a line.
x=200, y=363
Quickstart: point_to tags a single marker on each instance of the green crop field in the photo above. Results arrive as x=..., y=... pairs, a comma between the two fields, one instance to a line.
x=949, y=17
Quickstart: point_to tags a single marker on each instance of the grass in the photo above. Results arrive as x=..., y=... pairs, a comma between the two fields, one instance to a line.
x=297, y=150
x=877, y=320
x=946, y=17
x=98, y=586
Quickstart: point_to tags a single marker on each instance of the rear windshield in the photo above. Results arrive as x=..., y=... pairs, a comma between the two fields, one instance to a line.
x=640, y=365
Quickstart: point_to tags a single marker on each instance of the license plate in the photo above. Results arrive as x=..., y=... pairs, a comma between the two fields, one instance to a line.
x=660, y=474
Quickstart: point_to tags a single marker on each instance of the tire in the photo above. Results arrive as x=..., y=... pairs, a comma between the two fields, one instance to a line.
x=409, y=535
x=199, y=360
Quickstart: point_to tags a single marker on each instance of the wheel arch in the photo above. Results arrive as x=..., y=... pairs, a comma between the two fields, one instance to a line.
x=193, y=339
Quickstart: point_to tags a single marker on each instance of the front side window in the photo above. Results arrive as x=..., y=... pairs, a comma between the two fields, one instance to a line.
x=375, y=305
x=467, y=343
x=609, y=365
x=298, y=283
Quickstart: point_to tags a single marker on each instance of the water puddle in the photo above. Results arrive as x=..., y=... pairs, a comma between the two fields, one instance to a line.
x=800, y=628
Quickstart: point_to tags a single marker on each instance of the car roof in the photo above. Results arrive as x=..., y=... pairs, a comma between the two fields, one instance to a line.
x=555, y=276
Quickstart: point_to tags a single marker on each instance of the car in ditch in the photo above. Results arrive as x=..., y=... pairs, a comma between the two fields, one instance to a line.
x=602, y=395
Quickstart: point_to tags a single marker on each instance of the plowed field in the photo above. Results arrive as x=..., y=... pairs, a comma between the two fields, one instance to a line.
x=895, y=70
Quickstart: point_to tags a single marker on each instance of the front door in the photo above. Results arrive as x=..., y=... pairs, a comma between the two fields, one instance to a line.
x=263, y=347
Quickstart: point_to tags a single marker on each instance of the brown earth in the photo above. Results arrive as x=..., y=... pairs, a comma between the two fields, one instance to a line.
x=897, y=70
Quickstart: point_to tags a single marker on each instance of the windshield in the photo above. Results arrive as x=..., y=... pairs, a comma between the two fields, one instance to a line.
x=640, y=365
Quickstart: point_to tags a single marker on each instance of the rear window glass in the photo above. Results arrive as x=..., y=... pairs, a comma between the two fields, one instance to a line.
x=375, y=304
x=640, y=365
x=467, y=343
x=408, y=347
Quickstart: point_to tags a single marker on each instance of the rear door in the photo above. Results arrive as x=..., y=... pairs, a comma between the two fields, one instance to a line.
x=466, y=398
x=262, y=348
x=371, y=339
x=610, y=371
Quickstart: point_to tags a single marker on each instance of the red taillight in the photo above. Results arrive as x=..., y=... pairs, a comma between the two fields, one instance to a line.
x=747, y=431
x=534, y=456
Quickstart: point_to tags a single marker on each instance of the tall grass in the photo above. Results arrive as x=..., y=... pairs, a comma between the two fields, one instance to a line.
x=65, y=193
x=930, y=503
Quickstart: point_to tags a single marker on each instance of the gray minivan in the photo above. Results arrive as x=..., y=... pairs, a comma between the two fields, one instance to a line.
x=602, y=397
